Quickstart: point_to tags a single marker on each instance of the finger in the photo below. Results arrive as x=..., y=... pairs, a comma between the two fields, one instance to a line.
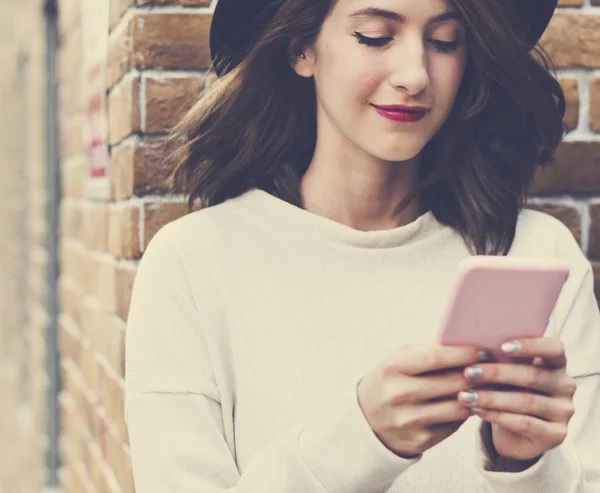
x=445, y=428
x=438, y=387
x=553, y=409
x=533, y=377
x=551, y=349
x=438, y=413
x=420, y=390
x=548, y=433
x=414, y=360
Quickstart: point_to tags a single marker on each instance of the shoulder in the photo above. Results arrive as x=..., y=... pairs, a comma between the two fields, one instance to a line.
x=542, y=235
x=195, y=233
x=533, y=222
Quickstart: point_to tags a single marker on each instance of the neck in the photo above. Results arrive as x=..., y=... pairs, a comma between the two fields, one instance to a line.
x=363, y=198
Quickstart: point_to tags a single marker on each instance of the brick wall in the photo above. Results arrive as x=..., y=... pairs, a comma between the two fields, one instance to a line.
x=157, y=54
x=157, y=61
x=91, y=325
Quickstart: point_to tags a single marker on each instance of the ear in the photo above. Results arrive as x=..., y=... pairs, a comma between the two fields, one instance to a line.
x=301, y=59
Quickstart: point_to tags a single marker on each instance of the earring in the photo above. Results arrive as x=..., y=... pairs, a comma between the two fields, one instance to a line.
x=303, y=56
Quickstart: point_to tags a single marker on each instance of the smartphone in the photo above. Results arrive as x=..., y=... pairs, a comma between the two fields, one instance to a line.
x=498, y=298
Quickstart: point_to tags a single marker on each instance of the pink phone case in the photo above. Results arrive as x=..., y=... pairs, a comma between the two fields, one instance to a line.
x=499, y=298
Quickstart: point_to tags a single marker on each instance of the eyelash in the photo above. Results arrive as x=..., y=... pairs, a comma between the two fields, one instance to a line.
x=440, y=46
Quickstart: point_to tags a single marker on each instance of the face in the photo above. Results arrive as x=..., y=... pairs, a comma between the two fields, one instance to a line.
x=374, y=53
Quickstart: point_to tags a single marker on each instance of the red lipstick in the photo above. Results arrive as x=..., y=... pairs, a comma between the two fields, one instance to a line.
x=401, y=113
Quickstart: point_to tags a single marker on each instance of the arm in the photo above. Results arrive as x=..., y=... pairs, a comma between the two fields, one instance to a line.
x=174, y=416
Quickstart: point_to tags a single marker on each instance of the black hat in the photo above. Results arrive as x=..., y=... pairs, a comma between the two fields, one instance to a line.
x=237, y=24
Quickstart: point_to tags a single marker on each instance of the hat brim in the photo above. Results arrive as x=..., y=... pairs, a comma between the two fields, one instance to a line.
x=237, y=24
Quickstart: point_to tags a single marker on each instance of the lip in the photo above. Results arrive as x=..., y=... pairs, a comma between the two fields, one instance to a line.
x=400, y=113
x=401, y=107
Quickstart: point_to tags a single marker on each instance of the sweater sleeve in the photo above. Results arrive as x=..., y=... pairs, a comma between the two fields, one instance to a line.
x=175, y=420
x=573, y=466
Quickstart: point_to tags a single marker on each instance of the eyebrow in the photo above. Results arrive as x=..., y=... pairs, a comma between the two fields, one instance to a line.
x=388, y=14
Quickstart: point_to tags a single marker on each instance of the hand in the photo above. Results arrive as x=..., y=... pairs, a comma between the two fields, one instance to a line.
x=409, y=399
x=531, y=417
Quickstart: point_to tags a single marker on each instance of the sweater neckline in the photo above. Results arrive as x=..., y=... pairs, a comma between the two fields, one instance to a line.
x=307, y=223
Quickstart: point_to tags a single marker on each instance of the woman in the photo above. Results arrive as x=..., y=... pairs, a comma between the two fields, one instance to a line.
x=282, y=338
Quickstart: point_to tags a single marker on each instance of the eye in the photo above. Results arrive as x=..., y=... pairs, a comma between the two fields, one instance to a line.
x=374, y=42
x=445, y=46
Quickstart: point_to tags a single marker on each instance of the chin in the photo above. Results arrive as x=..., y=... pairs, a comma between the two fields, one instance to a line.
x=398, y=155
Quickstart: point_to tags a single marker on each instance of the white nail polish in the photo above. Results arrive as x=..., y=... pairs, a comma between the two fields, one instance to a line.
x=468, y=396
x=511, y=347
x=473, y=372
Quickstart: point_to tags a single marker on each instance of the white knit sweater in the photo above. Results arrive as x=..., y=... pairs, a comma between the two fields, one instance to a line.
x=252, y=321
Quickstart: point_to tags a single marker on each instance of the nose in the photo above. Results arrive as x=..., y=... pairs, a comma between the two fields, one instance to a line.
x=409, y=69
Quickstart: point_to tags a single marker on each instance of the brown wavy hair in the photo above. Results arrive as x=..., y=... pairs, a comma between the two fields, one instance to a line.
x=256, y=125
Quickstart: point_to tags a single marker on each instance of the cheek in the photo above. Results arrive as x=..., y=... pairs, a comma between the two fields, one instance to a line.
x=447, y=79
x=348, y=74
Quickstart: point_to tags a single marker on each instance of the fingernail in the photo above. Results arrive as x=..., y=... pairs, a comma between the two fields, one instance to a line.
x=468, y=396
x=477, y=410
x=484, y=355
x=473, y=372
x=511, y=347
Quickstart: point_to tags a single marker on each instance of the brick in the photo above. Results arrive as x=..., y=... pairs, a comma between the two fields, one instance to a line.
x=124, y=109
x=123, y=233
x=103, y=387
x=89, y=370
x=70, y=93
x=570, y=3
x=171, y=41
x=140, y=168
x=70, y=342
x=85, y=271
x=95, y=226
x=594, y=88
x=184, y=3
x=571, y=91
x=119, y=402
x=119, y=60
x=116, y=10
x=594, y=239
x=568, y=215
x=121, y=170
x=113, y=444
x=125, y=473
x=152, y=167
x=156, y=215
x=71, y=299
x=125, y=278
x=95, y=467
x=105, y=281
x=70, y=219
x=573, y=40
x=73, y=174
x=576, y=171
x=110, y=483
x=115, y=345
x=168, y=99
